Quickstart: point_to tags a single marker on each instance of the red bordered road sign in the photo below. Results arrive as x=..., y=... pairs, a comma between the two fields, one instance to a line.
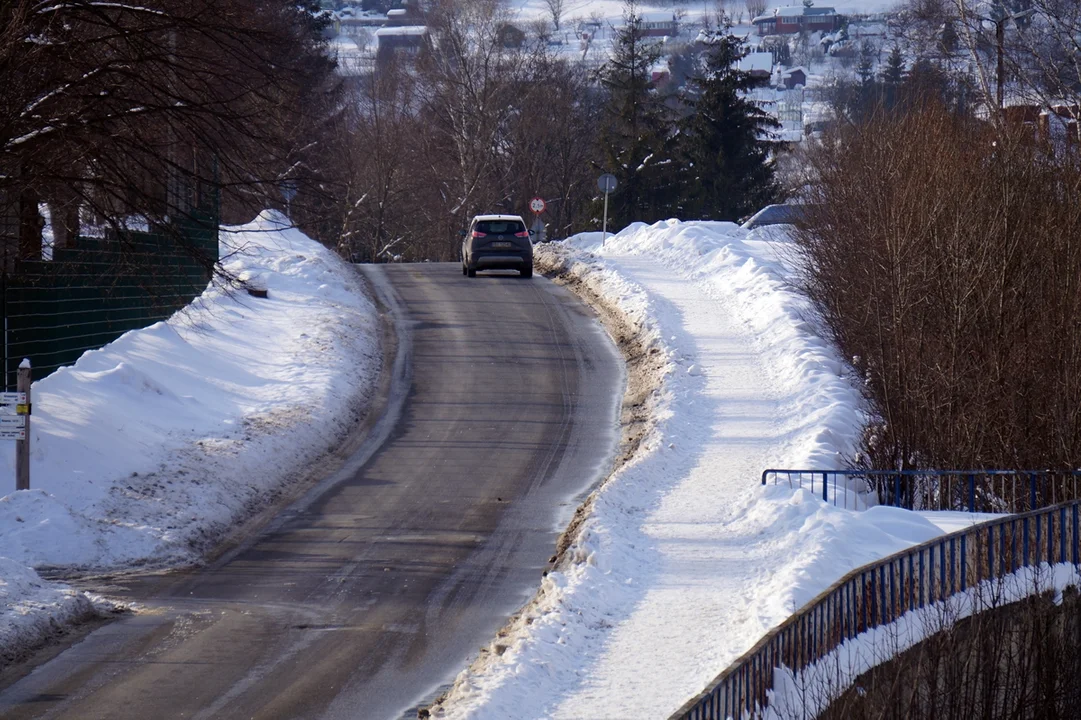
x=537, y=205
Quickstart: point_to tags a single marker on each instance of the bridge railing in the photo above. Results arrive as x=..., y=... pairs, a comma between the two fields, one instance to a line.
x=880, y=593
x=984, y=491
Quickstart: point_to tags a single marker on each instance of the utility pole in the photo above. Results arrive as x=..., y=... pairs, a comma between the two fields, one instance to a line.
x=1000, y=38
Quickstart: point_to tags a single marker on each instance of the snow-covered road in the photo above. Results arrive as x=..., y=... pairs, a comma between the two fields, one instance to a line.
x=686, y=560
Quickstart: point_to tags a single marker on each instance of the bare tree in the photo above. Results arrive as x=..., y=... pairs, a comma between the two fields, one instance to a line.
x=113, y=109
x=957, y=307
x=756, y=8
x=473, y=85
x=555, y=7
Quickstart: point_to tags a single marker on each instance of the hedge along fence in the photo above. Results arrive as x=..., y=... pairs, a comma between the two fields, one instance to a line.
x=880, y=593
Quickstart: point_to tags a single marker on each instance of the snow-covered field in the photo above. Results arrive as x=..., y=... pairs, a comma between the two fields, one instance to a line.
x=151, y=449
x=686, y=560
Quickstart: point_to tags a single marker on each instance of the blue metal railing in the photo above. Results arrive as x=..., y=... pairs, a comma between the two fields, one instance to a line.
x=989, y=491
x=880, y=593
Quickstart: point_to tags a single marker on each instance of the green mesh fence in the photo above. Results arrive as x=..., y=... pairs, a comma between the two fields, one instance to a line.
x=89, y=295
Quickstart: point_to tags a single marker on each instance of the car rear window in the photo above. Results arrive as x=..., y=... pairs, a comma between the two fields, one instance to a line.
x=777, y=215
x=500, y=227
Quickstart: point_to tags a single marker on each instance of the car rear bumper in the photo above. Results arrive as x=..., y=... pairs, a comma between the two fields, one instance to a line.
x=501, y=262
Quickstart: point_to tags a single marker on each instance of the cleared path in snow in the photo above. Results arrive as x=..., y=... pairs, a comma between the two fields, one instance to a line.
x=363, y=598
x=733, y=422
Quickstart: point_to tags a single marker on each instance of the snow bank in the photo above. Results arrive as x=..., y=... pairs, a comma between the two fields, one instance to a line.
x=686, y=560
x=148, y=450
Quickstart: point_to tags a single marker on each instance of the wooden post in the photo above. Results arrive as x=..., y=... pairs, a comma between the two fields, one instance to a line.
x=22, y=447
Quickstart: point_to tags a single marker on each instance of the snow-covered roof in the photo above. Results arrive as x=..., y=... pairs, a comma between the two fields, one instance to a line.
x=407, y=30
x=789, y=71
x=396, y=12
x=793, y=11
x=657, y=16
x=350, y=13
x=759, y=61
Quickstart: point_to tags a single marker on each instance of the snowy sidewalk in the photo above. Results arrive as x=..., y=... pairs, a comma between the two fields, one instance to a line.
x=686, y=561
x=709, y=563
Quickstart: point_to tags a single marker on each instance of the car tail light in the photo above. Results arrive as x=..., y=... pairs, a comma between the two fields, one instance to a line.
x=524, y=233
x=478, y=233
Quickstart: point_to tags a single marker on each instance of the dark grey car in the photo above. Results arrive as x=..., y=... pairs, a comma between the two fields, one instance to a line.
x=497, y=242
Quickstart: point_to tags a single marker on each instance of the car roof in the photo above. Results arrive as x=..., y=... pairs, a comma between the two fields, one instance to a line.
x=498, y=217
x=779, y=214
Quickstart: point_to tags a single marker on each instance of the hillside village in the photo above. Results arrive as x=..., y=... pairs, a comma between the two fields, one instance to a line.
x=799, y=53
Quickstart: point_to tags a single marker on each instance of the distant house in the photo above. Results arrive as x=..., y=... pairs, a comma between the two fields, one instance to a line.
x=510, y=36
x=407, y=40
x=796, y=76
x=1059, y=125
x=356, y=24
x=660, y=26
x=759, y=65
x=1056, y=124
x=792, y=20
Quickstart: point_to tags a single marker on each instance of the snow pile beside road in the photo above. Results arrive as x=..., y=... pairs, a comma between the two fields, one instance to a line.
x=686, y=560
x=34, y=609
x=151, y=449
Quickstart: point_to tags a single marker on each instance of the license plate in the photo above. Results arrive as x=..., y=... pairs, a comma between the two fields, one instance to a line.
x=502, y=244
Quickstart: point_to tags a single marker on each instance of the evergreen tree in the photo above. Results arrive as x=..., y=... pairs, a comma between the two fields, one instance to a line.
x=862, y=100
x=726, y=171
x=784, y=55
x=636, y=140
x=866, y=67
x=893, y=75
x=948, y=40
x=895, y=67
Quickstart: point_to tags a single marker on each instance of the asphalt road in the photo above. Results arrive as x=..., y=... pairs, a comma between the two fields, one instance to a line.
x=367, y=595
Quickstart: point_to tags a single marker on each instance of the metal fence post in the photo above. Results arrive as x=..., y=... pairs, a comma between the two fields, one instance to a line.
x=1075, y=535
x=964, y=562
x=22, y=447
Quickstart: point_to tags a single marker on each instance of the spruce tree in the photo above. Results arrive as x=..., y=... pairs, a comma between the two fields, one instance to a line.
x=895, y=67
x=636, y=139
x=866, y=68
x=892, y=77
x=726, y=171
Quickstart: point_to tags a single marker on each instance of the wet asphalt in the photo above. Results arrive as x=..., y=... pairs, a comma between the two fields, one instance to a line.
x=371, y=592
